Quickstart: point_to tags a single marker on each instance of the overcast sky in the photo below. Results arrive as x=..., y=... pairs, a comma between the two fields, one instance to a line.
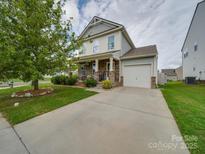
x=161, y=22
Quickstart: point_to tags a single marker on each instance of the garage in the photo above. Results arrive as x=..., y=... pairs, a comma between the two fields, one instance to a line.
x=137, y=76
x=139, y=67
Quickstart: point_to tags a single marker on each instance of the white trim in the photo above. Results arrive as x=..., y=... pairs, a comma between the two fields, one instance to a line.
x=127, y=65
x=102, y=33
x=96, y=65
x=141, y=56
x=108, y=42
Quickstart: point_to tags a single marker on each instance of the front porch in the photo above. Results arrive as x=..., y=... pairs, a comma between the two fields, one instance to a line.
x=100, y=69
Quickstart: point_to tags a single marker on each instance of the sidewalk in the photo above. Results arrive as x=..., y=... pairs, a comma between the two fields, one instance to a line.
x=9, y=141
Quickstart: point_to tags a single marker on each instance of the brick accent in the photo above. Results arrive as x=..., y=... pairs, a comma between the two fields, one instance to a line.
x=96, y=76
x=121, y=81
x=153, y=82
x=116, y=70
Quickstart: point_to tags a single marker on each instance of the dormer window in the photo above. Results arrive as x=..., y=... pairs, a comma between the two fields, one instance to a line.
x=111, y=42
x=96, y=46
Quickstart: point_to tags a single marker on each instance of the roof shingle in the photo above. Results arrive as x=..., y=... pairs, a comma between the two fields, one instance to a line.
x=145, y=51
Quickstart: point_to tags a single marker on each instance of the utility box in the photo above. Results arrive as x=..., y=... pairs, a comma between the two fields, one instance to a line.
x=190, y=80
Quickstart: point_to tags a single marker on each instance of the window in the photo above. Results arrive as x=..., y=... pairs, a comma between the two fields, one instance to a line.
x=194, y=68
x=82, y=50
x=111, y=43
x=96, y=46
x=195, y=47
x=186, y=54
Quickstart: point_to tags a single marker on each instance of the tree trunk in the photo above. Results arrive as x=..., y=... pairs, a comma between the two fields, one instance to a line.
x=35, y=84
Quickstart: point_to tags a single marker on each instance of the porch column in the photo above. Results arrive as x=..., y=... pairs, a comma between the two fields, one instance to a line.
x=96, y=70
x=111, y=64
x=96, y=65
x=111, y=72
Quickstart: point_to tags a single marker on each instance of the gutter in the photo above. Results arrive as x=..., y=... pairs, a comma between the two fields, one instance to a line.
x=101, y=34
x=141, y=56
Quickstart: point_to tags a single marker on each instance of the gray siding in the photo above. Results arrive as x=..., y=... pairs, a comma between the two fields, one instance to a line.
x=125, y=46
x=196, y=35
x=98, y=29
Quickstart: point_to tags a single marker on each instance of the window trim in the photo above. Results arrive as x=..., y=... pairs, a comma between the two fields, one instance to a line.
x=186, y=54
x=195, y=47
x=96, y=46
x=108, y=43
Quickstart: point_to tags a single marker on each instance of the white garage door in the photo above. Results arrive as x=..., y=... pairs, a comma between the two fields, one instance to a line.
x=137, y=76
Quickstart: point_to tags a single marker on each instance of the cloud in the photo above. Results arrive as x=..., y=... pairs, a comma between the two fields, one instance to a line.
x=161, y=22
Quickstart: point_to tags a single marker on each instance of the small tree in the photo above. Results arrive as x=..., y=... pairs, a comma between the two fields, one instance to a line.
x=33, y=39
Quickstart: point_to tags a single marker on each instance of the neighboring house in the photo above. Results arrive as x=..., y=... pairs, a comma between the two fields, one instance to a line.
x=170, y=74
x=109, y=53
x=179, y=72
x=193, y=50
x=162, y=78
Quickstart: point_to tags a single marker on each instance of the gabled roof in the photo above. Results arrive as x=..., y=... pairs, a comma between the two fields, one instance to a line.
x=146, y=51
x=191, y=23
x=96, y=20
x=116, y=26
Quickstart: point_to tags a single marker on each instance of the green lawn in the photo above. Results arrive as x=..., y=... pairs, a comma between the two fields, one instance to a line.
x=187, y=104
x=31, y=107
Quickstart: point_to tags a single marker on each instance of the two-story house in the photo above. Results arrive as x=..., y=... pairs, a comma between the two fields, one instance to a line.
x=193, y=50
x=109, y=53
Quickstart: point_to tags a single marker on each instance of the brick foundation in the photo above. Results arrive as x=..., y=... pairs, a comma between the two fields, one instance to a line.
x=153, y=82
x=96, y=76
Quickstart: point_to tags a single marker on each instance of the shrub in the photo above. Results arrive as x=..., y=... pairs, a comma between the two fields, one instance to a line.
x=71, y=80
x=64, y=80
x=59, y=79
x=107, y=84
x=90, y=82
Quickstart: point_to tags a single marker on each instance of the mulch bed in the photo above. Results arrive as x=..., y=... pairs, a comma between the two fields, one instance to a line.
x=31, y=93
x=80, y=84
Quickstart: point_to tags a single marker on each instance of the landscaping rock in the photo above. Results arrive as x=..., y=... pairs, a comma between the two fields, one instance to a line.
x=28, y=95
x=16, y=104
x=13, y=95
x=43, y=93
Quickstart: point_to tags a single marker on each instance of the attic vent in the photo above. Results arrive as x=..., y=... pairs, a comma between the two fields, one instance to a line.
x=96, y=20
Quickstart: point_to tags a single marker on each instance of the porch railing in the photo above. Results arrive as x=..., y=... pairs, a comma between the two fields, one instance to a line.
x=103, y=75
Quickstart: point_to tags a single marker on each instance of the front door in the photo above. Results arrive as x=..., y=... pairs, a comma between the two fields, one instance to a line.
x=107, y=70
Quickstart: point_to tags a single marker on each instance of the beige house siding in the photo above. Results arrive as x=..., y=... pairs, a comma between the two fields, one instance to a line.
x=179, y=72
x=98, y=28
x=103, y=44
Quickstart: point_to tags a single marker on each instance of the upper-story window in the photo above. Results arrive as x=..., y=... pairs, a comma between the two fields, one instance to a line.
x=96, y=46
x=82, y=50
x=186, y=54
x=111, y=42
x=195, y=47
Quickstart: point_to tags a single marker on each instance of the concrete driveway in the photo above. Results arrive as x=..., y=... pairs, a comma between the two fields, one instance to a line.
x=121, y=121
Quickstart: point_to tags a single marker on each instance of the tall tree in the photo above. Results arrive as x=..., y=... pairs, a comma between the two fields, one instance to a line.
x=33, y=39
